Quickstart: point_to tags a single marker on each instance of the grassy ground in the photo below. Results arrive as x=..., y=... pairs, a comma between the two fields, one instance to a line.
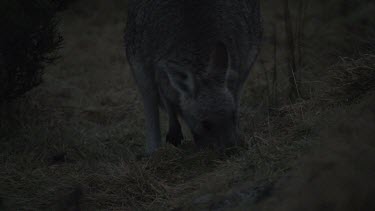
x=72, y=143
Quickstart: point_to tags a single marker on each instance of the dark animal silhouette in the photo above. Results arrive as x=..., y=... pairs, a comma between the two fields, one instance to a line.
x=192, y=57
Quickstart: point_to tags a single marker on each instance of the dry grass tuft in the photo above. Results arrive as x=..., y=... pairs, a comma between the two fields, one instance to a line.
x=338, y=174
x=125, y=186
x=351, y=79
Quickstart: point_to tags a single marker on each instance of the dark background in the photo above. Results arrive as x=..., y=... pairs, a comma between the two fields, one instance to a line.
x=72, y=120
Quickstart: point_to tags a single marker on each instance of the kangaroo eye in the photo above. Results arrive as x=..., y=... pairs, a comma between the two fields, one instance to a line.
x=206, y=125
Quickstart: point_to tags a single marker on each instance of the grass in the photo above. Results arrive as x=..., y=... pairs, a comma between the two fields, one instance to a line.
x=352, y=78
x=73, y=142
x=337, y=174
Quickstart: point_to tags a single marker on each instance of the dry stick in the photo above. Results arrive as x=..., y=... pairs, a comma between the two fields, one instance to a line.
x=293, y=92
x=255, y=141
x=274, y=75
x=299, y=26
x=269, y=125
x=303, y=4
x=268, y=83
x=274, y=90
x=296, y=84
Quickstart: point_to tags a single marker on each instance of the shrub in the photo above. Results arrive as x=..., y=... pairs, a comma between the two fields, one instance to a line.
x=29, y=41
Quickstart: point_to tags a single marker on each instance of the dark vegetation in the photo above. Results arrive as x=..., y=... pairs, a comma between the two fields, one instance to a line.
x=307, y=115
x=29, y=40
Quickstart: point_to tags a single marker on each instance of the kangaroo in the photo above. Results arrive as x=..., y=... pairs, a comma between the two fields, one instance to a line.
x=191, y=58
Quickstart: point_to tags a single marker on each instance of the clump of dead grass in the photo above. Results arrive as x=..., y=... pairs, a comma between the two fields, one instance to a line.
x=125, y=186
x=338, y=174
x=351, y=79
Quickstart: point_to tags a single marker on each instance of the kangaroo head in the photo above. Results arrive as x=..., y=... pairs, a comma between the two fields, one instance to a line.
x=206, y=104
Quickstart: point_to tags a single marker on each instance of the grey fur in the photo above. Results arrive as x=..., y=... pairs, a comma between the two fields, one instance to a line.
x=192, y=57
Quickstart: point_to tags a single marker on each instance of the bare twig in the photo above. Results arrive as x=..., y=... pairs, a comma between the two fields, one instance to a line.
x=274, y=71
x=269, y=90
x=293, y=84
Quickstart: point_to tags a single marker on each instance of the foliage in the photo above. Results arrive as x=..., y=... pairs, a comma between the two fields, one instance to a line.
x=29, y=40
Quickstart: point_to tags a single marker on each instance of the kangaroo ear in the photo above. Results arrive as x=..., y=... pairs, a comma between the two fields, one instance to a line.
x=182, y=81
x=219, y=63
